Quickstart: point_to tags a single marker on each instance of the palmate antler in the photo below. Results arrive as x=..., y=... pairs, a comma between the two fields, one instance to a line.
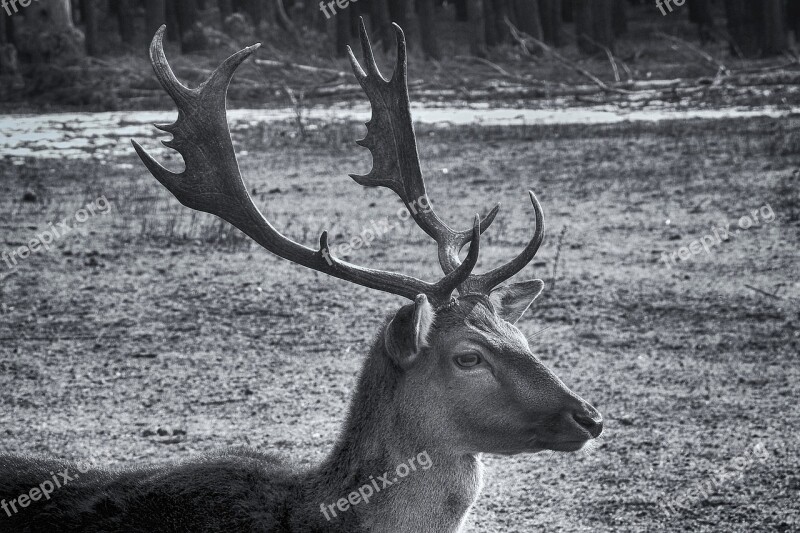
x=212, y=181
x=392, y=142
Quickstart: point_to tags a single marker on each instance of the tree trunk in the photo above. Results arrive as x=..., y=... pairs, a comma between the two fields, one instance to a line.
x=398, y=10
x=593, y=25
x=55, y=14
x=155, y=16
x=527, y=17
x=619, y=17
x=773, y=31
x=255, y=8
x=490, y=22
x=49, y=34
x=550, y=15
x=90, y=20
x=126, y=17
x=343, y=32
x=502, y=10
x=568, y=11
x=477, y=24
x=700, y=14
x=603, y=22
x=462, y=11
x=8, y=54
x=743, y=27
x=381, y=24
x=793, y=19
x=427, y=27
x=312, y=15
x=582, y=12
x=186, y=15
x=226, y=9
x=10, y=34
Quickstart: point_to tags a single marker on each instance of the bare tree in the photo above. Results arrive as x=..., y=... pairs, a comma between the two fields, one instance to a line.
x=398, y=10
x=477, y=23
x=186, y=15
x=551, y=21
x=343, y=28
x=49, y=33
x=8, y=52
x=773, y=32
x=593, y=25
x=619, y=17
x=54, y=14
x=226, y=8
x=381, y=22
x=126, y=18
x=155, y=16
x=756, y=28
x=793, y=19
x=527, y=17
x=91, y=15
x=743, y=27
x=495, y=12
x=427, y=27
x=700, y=14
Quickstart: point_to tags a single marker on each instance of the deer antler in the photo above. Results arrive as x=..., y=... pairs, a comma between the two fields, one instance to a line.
x=395, y=165
x=213, y=183
x=395, y=161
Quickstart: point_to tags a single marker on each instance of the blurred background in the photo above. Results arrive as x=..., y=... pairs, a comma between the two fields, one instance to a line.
x=92, y=53
x=152, y=333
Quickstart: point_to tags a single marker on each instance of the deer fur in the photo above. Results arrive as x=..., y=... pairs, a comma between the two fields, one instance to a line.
x=446, y=378
x=388, y=422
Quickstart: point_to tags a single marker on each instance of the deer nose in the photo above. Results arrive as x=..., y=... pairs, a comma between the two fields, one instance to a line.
x=589, y=419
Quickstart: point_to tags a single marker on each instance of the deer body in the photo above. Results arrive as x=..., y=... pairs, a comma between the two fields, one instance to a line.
x=448, y=378
x=242, y=490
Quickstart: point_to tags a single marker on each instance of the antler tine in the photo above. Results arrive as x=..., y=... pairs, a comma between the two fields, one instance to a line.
x=212, y=182
x=391, y=140
x=484, y=283
x=164, y=73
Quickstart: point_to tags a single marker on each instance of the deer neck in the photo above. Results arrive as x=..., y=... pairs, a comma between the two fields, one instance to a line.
x=385, y=436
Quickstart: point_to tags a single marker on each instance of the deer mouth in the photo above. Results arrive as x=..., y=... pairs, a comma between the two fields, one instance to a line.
x=565, y=445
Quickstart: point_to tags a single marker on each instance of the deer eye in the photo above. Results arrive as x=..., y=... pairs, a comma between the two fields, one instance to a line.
x=468, y=360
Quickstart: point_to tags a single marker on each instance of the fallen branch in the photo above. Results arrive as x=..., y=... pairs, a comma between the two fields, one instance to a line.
x=521, y=36
x=722, y=70
x=609, y=54
x=765, y=293
x=491, y=65
x=305, y=68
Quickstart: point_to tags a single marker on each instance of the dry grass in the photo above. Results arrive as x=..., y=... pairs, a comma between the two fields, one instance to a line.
x=156, y=316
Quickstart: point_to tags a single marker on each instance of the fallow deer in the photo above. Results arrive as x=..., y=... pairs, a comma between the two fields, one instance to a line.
x=448, y=376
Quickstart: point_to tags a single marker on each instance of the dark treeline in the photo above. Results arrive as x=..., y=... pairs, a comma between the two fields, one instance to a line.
x=753, y=28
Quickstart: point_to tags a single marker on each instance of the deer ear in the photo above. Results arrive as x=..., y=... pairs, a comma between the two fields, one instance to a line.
x=406, y=334
x=511, y=301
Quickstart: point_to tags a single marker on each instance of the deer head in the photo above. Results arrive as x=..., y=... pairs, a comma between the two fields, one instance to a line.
x=459, y=366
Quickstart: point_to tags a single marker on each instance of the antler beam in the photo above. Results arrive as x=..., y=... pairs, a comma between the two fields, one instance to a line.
x=395, y=164
x=212, y=182
x=391, y=140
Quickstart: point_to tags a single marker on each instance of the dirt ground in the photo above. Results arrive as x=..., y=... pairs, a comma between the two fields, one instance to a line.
x=152, y=333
